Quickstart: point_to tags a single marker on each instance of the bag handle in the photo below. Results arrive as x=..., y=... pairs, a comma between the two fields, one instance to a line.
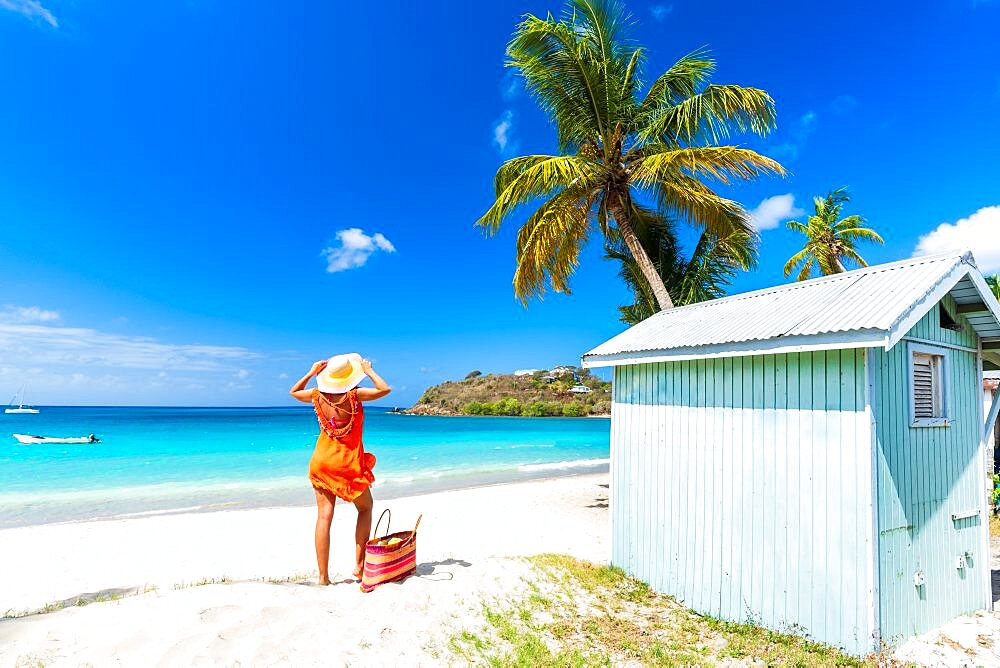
x=387, y=524
x=413, y=534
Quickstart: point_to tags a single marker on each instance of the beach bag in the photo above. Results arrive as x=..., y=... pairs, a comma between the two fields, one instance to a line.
x=391, y=558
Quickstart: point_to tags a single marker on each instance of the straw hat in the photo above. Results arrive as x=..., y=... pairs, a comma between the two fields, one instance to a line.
x=342, y=373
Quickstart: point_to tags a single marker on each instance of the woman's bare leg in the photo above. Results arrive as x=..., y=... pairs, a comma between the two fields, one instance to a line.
x=324, y=516
x=363, y=530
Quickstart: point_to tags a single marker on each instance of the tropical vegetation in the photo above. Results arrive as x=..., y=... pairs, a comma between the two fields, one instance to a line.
x=705, y=275
x=541, y=394
x=830, y=240
x=628, y=156
x=994, y=283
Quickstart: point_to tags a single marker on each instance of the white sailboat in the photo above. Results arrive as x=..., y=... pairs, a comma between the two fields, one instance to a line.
x=20, y=404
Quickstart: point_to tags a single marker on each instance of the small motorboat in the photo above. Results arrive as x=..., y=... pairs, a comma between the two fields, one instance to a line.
x=28, y=439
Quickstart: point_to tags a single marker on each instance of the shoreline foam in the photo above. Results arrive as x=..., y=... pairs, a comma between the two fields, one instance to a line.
x=122, y=503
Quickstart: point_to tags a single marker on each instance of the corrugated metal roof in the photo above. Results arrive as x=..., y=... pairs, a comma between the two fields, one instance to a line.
x=859, y=307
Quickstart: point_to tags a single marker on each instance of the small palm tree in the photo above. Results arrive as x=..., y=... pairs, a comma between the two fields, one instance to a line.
x=994, y=283
x=713, y=264
x=830, y=240
x=618, y=148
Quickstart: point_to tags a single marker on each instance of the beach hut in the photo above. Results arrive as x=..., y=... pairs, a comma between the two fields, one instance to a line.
x=810, y=457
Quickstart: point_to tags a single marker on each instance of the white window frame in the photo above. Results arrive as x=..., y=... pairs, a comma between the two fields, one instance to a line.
x=945, y=379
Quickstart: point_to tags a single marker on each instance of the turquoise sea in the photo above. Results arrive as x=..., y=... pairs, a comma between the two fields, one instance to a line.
x=164, y=460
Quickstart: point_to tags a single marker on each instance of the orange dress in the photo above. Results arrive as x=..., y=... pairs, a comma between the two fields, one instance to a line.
x=339, y=463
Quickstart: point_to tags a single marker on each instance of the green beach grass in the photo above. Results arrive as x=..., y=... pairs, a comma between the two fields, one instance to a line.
x=580, y=614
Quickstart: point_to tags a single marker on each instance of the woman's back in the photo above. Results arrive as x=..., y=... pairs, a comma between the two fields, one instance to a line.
x=336, y=408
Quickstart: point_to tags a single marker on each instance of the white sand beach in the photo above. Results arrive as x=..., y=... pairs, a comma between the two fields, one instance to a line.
x=269, y=611
x=238, y=587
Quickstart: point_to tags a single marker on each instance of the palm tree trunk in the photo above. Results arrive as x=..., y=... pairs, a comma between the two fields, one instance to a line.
x=641, y=257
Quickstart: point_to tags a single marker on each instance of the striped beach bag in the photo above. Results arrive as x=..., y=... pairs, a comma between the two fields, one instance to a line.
x=392, y=557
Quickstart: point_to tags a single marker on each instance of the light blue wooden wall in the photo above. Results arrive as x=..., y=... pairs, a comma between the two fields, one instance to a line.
x=924, y=475
x=743, y=487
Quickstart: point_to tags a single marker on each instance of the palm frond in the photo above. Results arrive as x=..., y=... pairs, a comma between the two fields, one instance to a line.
x=560, y=72
x=806, y=270
x=524, y=179
x=706, y=274
x=861, y=233
x=691, y=200
x=724, y=164
x=684, y=79
x=796, y=226
x=848, y=222
x=549, y=244
x=710, y=116
x=796, y=260
x=853, y=254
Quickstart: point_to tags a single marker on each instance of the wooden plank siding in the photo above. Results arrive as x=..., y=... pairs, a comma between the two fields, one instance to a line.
x=742, y=487
x=924, y=474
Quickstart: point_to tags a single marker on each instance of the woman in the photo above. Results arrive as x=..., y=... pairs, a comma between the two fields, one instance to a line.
x=340, y=467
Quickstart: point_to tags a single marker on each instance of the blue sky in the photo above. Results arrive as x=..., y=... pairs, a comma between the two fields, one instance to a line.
x=199, y=199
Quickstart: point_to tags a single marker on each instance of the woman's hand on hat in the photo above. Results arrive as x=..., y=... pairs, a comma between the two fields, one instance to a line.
x=366, y=365
x=317, y=367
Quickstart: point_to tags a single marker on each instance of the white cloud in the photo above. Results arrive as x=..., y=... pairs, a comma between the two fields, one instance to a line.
x=354, y=250
x=23, y=314
x=773, y=211
x=661, y=12
x=785, y=151
x=510, y=87
x=979, y=233
x=73, y=347
x=31, y=9
x=799, y=134
x=241, y=374
x=282, y=376
x=501, y=130
x=843, y=104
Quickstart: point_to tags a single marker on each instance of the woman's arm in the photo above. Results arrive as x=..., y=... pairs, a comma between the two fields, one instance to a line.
x=372, y=393
x=298, y=389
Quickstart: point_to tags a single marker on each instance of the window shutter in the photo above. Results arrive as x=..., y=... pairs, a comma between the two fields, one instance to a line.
x=923, y=386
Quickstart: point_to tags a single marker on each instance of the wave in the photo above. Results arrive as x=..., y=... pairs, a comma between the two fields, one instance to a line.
x=564, y=466
x=401, y=480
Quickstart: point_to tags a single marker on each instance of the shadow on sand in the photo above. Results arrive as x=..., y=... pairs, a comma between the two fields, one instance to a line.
x=86, y=598
x=431, y=570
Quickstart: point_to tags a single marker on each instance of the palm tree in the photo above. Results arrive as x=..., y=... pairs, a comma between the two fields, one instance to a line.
x=618, y=148
x=705, y=275
x=829, y=241
x=994, y=283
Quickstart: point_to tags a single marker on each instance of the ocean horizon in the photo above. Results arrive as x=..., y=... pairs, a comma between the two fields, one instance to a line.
x=155, y=460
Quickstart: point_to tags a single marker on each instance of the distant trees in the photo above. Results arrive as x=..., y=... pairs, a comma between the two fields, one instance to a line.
x=512, y=407
x=473, y=374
